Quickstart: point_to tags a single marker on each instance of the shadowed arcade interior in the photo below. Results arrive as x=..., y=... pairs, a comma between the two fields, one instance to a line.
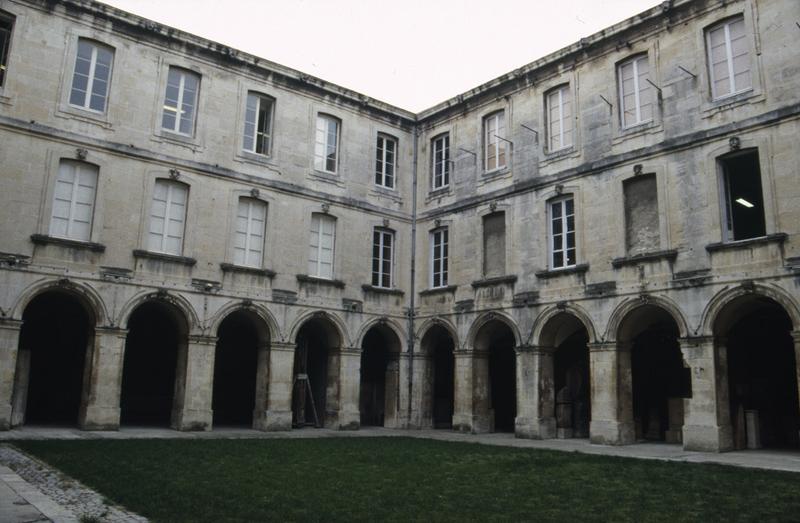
x=379, y=394
x=499, y=397
x=235, y=369
x=438, y=401
x=57, y=330
x=316, y=372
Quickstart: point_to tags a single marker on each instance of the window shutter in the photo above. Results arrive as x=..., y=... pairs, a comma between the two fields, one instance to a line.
x=73, y=201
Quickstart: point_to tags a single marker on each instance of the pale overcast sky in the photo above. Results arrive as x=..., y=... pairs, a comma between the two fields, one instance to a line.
x=412, y=54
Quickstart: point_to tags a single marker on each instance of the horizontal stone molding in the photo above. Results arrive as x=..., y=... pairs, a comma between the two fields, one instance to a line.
x=43, y=239
x=778, y=238
x=645, y=257
x=381, y=290
x=255, y=271
x=160, y=256
x=439, y=290
x=581, y=268
x=497, y=280
x=304, y=278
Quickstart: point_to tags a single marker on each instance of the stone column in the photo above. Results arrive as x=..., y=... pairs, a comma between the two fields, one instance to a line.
x=611, y=394
x=535, y=393
x=193, y=400
x=422, y=393
x=100, y=408
x=393, y=394
x=706, y=417
x=463, y=404
x=349, y=388
x=275, y=380
x=796, y=338
x=9, y=347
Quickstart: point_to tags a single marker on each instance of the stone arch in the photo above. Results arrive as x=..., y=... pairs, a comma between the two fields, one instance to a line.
x=622, y=311
x=338, y=326
x=182, y=305
x=436, y=322
x=722, y=299
x=86, y=295
x=380, y=344
x=262, y=313
x=543, y=320
x=485, y=319
x=382, y=321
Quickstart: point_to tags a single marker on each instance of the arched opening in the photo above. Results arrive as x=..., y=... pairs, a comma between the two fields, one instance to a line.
x=439, y=398
x=315, y=393
x=659, y=379
x=240, y=356
x=495, y=385
x=380, y=380
x=156, y=342
x=54, y=349
x=762, y=375
x=568, y=338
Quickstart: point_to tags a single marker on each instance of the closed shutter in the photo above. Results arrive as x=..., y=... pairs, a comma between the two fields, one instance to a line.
x=73, y=201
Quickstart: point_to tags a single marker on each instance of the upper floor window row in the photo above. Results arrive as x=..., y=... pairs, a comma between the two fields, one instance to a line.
x=91, y=76
x=635, y=91
x=326, y=144
x=6, y=25
x=728, y=58
x=385, y=161
x=180, y=101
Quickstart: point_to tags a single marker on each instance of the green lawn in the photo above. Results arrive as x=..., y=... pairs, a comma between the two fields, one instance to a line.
x=357, y=479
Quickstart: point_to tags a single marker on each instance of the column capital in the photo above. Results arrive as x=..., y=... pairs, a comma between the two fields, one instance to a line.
x=281, y=346
x=352, y=351
x=199, y=339
x=796, y=336
x=111, y=331
x=694, y=341
x=606, y=346
x=10, y=324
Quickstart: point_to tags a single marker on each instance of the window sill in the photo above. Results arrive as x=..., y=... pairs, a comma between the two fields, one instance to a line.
x=71, y=112
x=712, y=107
x=642, y=129
x=304, y=278
x=384, y=192
x=326, y=177
x=438, y=193
x=561, y=154
x=439, y=290
x=778, y=238
x=496, y=280
x=644, y=257
x=183, y=140
x=43, y=239
x=256, y=159
x=229, y=267
x=381, y=290
x=160, y=256
x=554, y=273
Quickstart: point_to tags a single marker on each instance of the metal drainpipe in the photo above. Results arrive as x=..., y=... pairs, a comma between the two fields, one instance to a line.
x=412, y=294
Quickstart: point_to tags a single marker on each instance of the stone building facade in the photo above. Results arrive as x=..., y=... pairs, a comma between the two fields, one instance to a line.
x=604, y=243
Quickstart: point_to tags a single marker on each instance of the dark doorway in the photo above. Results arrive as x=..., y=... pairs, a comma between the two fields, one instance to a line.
x=312, y=369
x=498, y=339
x=443, y=381
x=155, y=334
x=374, y=364
x=55, y=333
x=235, y=369
x=762, y=376
x=571, y=376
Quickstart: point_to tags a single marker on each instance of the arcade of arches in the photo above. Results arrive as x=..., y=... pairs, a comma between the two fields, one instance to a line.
x=735, y=388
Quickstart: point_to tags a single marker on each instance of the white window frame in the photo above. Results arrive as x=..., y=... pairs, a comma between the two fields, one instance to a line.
x=550, y=97
x=440, y=266
x=5, y=46
x=258, y=134
x=160, y=244
x=440, y=167
x=562, y=248
x=380, y=236
x=725, y=26
x=322, y=143
x=178, y=111
x=490, y=137
x=382, y=163
x=253, y=232
x=92, y=77
x=318, y=220
x=638, y=90
x=84, y=175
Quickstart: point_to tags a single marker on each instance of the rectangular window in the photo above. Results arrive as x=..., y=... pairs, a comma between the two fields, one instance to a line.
x=326, y=148
x=382, y=257
x=494, y=148
x=559, y=118
x=562, y=233
x=167, y=217
x=635, y=91
x=744, y=202
x=180, y=101
x=251, y=217
x=494, y=244
x=91, y=76
x=6, y=24
x=258, y=124
x=728, y=58
x=385, y=161
x=642, y=232
x=73, y=200
x=439, y=256
x=441, y=161
x=320, y=258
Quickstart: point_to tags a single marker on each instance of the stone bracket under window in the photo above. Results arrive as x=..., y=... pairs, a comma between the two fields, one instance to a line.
x=160, y=256
x=43, y=239
x=439, y=290
x=284, y=296
x=693, y=278
x=14, y=260
x=381, y=290
x=464, y=306
x=304, y=278
x=553, y=273
x=497, y=280
x=778, y=237
x=654, y=256
x=525, y=299
x=115, y=273
x=206, y=285
x=230, y=267
x=601, y=289
x=352, y=305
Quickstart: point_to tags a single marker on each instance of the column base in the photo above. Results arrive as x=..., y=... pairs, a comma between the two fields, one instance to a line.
x=190, y=420
x=273, y=420
x=611, y=433
x=707, y=438
x=349, y=421
x=100, y=418
x=473, y=424
x=5, y=417
x=534, y=428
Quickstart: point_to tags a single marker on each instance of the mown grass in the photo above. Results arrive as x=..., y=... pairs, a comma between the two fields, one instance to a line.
x=359, y=479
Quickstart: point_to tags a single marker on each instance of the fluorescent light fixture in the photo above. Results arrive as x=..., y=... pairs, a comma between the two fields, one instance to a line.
x=744, y=202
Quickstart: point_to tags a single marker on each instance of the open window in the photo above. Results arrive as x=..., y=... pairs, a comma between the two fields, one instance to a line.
x=743, y=197
x=6, y=25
